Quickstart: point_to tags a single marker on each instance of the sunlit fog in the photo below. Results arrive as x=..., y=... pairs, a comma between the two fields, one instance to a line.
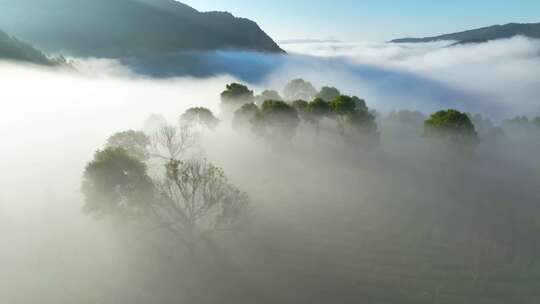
x=258, y=172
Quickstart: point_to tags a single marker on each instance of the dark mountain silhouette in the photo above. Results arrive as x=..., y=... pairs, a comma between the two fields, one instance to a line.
x=121, y=28
x=485, y=34
x=13, y=49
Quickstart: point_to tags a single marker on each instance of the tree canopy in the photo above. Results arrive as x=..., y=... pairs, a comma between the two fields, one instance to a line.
x=244, y=115
x=267, y=95
x=278, y=118
x=299, y=89
x=136, y=143
x=343, y=105
x=200, y=116
x=451, y=124
x=328, y=93
x=115, y=183
x=236, y=95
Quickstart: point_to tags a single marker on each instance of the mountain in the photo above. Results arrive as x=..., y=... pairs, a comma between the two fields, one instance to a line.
x=13, y=49
x=531, y=30
x=123, y=28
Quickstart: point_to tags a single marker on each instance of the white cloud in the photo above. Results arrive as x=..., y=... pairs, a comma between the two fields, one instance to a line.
x=502, y=74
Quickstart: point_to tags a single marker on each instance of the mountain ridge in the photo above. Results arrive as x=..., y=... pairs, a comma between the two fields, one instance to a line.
x=484, y=34
x=123, y=28
x=16, y=50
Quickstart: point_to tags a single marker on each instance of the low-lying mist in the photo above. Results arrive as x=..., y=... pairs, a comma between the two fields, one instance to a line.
x=497, y=78
x=407, y=222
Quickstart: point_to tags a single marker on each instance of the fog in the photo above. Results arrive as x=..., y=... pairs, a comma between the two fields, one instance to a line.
x=497, y=78
x=408, y=222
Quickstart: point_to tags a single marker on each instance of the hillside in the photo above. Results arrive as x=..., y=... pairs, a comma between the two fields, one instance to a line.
x=531, y=30
x=121, y=28
x=13, y=49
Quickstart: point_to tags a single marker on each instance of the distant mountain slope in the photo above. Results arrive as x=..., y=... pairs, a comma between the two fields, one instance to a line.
x=483, y=34
x=120, y=28
x=13, y=49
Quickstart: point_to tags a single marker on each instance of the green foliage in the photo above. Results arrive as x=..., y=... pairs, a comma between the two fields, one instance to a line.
x=343, y=105
x=361, y=121
x=299, y=89
x=360, y=103
x=319, y=108
x=328, y=93
x=302, y=108
x=267, y=95
x=300, y=105
x=115, y=183
x=135, y=143
x=278, y=119
x=236, y=95
x=244, y=116
x=201, y=116
x=453, y=125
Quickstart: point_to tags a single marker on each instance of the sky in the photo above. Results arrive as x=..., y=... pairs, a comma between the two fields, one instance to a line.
x=375, y=20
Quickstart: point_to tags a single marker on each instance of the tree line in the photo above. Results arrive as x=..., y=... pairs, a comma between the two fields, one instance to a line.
x=158, y=180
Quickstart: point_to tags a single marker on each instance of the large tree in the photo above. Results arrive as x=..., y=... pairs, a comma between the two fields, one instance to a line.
x=136, y=143
x=234, y=96
x=200, y=116
x=342, y=106
x=196, y=199
x=116, y=183
x=299, y=89
x=318, y=109
x=277, y=120
x=189, y=196
x=267, y=95
x=451, y=125
x=244, y=116
x=328, y=93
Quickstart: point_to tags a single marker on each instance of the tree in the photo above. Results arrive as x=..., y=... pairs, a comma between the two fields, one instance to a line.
x=301, y=107
x=173, y=142
x=451, y=125
x=360, y=103
x=267, y=95
x=153, y=123
x=244, y=115
x=277, y=120
x=318, y=109
x=362, y=128
x=361, y=121
x=191, y=199
x=299, y=89
x=200, y=116
x=196, y=199
x=136, y=143
x=341, y=106
x=234, y=96
x=328, y=93
x=115, y=183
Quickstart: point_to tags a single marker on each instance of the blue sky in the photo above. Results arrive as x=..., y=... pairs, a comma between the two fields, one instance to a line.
x=356, y=20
